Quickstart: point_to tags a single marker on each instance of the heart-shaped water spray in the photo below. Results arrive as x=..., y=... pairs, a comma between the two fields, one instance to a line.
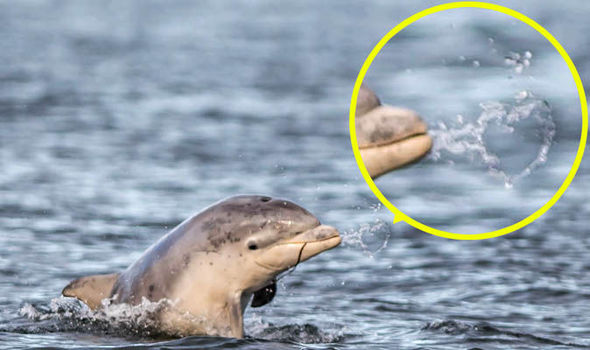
x=485, y=140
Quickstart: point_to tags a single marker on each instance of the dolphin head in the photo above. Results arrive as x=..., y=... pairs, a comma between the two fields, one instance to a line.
x=388, y=137
x=265, y=236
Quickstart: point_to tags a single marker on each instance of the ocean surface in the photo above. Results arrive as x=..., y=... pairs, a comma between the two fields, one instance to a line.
x=118, y=120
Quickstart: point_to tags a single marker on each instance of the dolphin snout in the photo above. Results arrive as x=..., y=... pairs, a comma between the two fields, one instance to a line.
x=314, y=241
x=319, y=233
x=388, y=137
x=299, y=248
x=387, y=124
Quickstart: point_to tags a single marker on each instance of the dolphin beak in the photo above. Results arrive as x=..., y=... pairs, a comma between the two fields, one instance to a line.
x=318, y=234
x=300, y=247
x=388, y=137
x=315, y=241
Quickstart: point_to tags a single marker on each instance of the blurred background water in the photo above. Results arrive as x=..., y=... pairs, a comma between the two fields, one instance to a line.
x=120, y=119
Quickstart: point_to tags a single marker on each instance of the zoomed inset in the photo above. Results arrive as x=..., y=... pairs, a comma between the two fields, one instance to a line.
x=492, y=121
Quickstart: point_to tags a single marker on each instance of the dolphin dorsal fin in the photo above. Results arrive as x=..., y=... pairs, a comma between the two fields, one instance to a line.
x=91, y=289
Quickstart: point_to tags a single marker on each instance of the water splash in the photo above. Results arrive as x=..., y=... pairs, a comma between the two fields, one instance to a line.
x=67, y=314
x=467, y=138
x=518, y=61
x=140, y=321
x=371, y=238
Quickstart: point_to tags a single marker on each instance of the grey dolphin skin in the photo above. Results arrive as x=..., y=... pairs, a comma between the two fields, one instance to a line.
x=211, y=265
x=388, y=137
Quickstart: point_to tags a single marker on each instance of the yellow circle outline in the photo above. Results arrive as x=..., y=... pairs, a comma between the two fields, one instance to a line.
x=399, y=215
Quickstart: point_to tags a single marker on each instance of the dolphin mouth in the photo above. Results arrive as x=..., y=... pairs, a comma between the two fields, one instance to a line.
x=391, y=137
x=313, y=242
x=384, y=158
x=318, y=234
x=392, y=141
x=299, y=248
x=388, y=137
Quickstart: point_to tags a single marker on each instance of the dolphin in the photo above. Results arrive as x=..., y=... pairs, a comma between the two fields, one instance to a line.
x=388, y=137
x=213, y=264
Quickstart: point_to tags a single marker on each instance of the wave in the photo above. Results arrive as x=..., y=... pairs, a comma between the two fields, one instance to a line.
x=483, y=332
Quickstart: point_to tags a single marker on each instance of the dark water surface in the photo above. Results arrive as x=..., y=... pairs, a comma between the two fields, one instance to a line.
x=120, y=119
